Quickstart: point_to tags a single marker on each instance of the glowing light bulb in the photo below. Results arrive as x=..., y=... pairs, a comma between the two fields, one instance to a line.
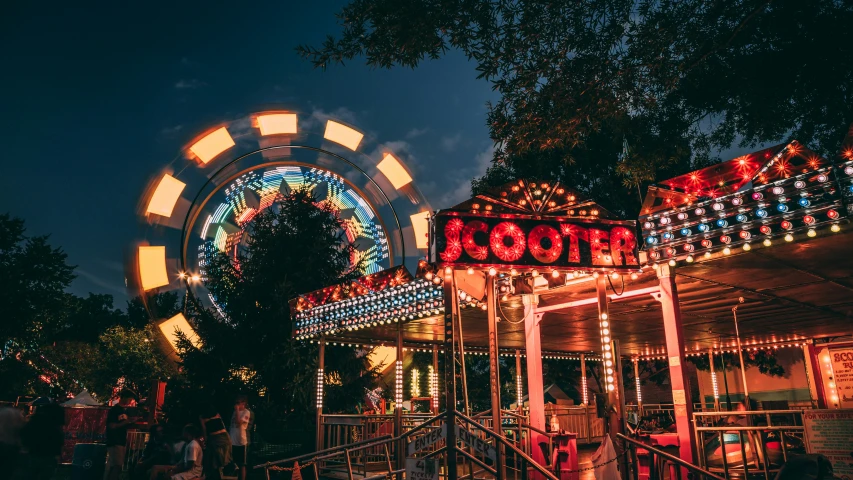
x=811, y=232
x=789, y=238
x=470, y=271
x=634, y=276
x=835, y=228
x=707, y=255
x=555, y=274
x=604, y=316
x=594, y=274
x=513, y=272
x=493, y=271
x=689, y=259
x=747, y=247
x=767, y=242
x=727, y=251
x=534, y=273
x=672, y=263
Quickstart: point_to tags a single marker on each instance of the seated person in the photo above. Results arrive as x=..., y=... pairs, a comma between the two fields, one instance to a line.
x=157, y=451
x=190, y=466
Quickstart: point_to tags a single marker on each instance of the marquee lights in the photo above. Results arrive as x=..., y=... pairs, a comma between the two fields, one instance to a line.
x=779, y=204
x=416, y=386
x=320, y=382
x=433, y=387
x=398, y=391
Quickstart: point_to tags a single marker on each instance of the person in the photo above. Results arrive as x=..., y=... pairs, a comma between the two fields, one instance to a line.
x=218, y=443
x=118, y=421
x=190, y=465
x=157, y=451
x=42, y=439
x=238, y=431
x=11, y=424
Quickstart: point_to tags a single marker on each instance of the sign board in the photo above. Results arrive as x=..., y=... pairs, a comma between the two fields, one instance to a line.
x=421, y=469
x=423, y=441
x=506, y=241
x=842, y=370
x=82, y=425
x=830, y=433
x=476, y=443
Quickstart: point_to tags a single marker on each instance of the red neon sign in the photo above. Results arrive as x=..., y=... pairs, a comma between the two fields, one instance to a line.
x=521, y=241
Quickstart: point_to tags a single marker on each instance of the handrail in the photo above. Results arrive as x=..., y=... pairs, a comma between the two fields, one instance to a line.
x=327, y=450
x=499, y=438
x=670, y=457
x=757, y=428
x=746, y=412
x=421, y=426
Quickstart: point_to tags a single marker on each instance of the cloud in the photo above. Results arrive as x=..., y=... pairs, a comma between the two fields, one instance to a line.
x=456, y=186
x=416, y=132
x=171, y=131
x=449, y=144
x=189, y=84
x=107, y=285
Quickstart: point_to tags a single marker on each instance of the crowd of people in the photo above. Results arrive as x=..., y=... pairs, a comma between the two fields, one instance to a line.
x=210, y=448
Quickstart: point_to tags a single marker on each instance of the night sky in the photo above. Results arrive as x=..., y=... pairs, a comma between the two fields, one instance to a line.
x=98, y=98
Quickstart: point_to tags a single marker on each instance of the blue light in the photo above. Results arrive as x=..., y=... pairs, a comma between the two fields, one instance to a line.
x=761, y=213
x=804, y=202
x=685, y=231
x=722, y=223
x=667, y=236
x=651, y=240
x=741, y=218
x=703, y=227
x=782, y=207
x=850, y=188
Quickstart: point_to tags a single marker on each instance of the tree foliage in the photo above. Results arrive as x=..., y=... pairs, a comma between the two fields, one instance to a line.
x=32, y=284
x=764, y=360
x=295, y=246
x=676, y=80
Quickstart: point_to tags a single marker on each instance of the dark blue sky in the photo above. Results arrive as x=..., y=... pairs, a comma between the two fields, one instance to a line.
x=98, y=98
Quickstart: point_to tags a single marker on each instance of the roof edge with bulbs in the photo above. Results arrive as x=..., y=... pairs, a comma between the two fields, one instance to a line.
x=783, y=193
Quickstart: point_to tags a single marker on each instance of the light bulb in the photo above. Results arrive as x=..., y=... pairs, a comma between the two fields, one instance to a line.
x=594, y=274
x=604, y=316
x=534, y=273
x=835, y=228
x=767, y=242
x=634, y=276
x=789, y=238
x=470, y=271
x=707, y=255
x=811, y=232
x=747, y=247
x=513, y=272
x=555, y=274
x=689, y=259
x=492, y=272
x=448, y=270
x=727, y=251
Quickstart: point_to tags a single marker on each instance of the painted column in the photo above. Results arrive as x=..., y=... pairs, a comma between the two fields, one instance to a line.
x=450, y=309
x=714, y=385
x=584, y=386
x=519, y=384
x=321, y=354
x=535, y=388
x=494, y=368
x=609, y=356
x=814, y=374
x=668, y=298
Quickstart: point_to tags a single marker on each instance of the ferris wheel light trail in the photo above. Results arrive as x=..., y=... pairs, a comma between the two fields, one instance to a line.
x=165, y=196
x=277, y=124
x=394, y=171
x=212, y=145
x=152, y=267
x=343, y=135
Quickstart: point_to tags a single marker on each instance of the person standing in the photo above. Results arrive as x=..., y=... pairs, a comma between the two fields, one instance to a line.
x=238, y=431
x=217, y=453
x=118, y=421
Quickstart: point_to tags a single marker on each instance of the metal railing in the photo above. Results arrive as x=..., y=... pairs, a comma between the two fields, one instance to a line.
x=655, y=452
x=350, y=458
x=748, y=443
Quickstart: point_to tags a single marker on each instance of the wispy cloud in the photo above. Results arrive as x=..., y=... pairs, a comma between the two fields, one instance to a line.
x=416, y=132
x=449, y=143
x=171, y=131
x=107, y=285
x=189, y=84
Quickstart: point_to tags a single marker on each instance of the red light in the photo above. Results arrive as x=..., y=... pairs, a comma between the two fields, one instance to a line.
x=509, y=230
x=706, y=243
x=744, y=234
x=808, y=220
x=726, y=239
x=832, y=214
x=688, y=247
x=786, y=225
x=479, y=252
x=765, y=229
x=539, y=233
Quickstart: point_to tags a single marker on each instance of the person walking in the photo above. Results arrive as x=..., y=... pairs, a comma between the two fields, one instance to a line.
x=217, y=453
x=118, y=422
x=238, y=430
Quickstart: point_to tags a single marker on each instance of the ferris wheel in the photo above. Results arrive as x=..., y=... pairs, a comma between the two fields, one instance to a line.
x=204, y=201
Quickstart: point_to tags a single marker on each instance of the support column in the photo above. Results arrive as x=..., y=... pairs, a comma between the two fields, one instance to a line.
x=494, y=370
x=610, y=359
x=450, y=309
x=535, y=388
x=668, y=298
x=814, y=373
x=519, y=384
x=398, y=400
x=434, y=380
x=714, y=385
x=637, y=383
x=321, y=354
x=584, y=385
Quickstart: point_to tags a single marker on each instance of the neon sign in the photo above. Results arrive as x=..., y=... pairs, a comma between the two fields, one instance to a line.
x=526, y=241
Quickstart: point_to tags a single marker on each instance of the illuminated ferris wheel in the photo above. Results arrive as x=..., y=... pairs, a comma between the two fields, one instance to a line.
x=204, y=201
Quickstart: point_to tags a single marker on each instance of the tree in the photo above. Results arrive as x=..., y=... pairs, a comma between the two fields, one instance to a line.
x=764, y=360
x=676, y=81
x=34, y=277
x=295, y=246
